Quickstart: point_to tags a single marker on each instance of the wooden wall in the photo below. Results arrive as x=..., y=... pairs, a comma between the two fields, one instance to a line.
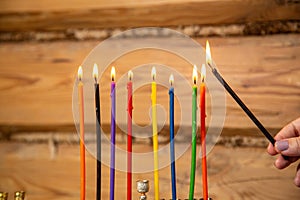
x=31, y=15
x=37, y=81
x=37, y=78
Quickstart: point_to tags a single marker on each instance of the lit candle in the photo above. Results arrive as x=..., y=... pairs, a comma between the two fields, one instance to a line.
x=81, y=127
x=155, y=137
x=203, y=132
x=194, y=134
x=113, y=133
x=172, y=142
x=129, y=135
x=98, y=131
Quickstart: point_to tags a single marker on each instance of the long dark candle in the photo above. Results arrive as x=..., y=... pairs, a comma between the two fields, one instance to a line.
x=98, y=132
x=113, y=135
x=237, y=99
x=129, y=136
x=243, y=106
x=172, y=142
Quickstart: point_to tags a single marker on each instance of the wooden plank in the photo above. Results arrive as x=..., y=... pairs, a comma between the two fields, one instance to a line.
x=34, y=15
x=37, y=81
x=233, y=173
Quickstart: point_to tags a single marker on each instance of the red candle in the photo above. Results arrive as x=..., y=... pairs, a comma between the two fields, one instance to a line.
x=203, y=132
x=129, y=135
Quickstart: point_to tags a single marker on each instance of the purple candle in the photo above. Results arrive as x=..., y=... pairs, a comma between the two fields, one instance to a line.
x=113, y=134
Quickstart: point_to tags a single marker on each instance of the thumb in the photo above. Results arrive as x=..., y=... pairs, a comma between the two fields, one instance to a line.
x=288, y=147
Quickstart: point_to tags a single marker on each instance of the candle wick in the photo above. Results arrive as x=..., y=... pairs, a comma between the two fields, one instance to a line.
x=95, y=79
x=209, y=64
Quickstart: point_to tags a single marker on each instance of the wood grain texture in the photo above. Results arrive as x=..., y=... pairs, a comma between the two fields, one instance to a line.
x=234, y=173
x=33, y=15
x=37, y=81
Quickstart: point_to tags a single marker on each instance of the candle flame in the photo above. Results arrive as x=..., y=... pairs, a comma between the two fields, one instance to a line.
x=80, y=73
x=195, y=75
x=130, y=75
x=203, y=72
x=208, y=54
x=171, y=79
x=113, y=73
x=95, y=72
x=153, y=73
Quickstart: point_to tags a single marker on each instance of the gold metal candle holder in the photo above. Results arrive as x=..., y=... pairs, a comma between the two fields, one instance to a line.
x=142, y=187
x=3, y=195
x=19, y=195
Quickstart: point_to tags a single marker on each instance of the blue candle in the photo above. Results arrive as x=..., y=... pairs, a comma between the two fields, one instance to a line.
x=172, y=146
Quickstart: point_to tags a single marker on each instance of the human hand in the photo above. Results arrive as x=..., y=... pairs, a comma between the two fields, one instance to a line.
x=288, y=144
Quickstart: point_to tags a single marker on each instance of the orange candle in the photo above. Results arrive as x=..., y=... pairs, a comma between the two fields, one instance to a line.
x=81, y=127
x=203, y=132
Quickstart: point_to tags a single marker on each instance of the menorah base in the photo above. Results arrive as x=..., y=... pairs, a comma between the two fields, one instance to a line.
x=142, y=187
x=188, y=199
x=143, y=197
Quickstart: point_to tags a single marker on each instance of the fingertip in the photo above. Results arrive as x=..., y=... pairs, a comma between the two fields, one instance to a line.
x=297, y=181
x=289, y=147
x=297, y=178
x=277, y=164
x=271, y=150
x=281, y=163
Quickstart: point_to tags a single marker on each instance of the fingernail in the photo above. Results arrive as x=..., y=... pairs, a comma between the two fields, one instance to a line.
x=282, y=145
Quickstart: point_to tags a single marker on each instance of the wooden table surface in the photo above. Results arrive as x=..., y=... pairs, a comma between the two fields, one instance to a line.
x=234, y=173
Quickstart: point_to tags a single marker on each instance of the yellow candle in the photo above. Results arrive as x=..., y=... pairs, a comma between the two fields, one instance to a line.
x=81, y=127
x=154, y=132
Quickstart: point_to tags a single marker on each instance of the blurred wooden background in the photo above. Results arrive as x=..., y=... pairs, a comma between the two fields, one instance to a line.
x=256, y=45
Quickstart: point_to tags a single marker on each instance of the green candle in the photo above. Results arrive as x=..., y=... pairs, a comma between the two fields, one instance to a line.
x=194, y=135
